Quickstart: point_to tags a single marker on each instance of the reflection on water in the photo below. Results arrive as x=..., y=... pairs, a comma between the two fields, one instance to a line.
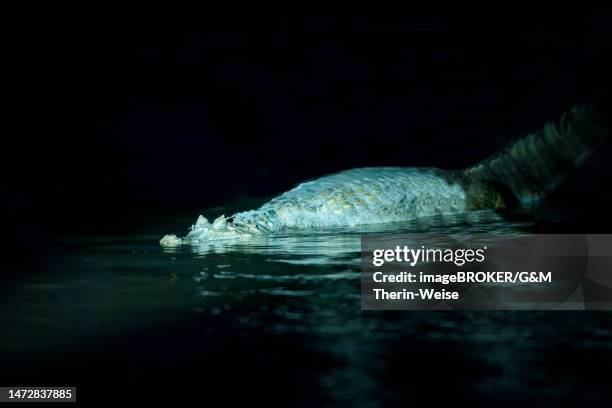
x=295, y=295
x=323, y=246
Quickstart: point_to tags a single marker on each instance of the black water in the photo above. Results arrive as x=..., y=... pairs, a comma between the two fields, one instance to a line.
x=278, y=319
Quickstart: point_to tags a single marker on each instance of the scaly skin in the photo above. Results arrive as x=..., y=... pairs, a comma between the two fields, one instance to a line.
x=522, y=174
x=352, y=197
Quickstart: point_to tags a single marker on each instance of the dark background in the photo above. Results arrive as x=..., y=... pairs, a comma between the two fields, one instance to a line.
x=124, y=116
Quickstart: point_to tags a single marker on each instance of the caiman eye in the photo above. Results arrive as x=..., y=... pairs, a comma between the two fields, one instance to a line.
x=230, y=220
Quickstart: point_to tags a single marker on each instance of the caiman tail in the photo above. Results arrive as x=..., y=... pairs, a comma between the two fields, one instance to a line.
x=532, y=167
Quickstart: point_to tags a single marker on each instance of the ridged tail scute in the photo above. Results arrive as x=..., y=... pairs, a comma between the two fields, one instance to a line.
x=535, y=165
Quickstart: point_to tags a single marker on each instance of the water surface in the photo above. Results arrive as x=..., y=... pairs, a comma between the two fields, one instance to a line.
x=281, y=315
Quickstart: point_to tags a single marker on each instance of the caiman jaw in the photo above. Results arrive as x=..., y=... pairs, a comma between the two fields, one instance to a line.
x=221, y=229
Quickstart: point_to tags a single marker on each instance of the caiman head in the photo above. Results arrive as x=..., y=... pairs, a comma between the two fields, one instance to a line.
x=221, y=229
